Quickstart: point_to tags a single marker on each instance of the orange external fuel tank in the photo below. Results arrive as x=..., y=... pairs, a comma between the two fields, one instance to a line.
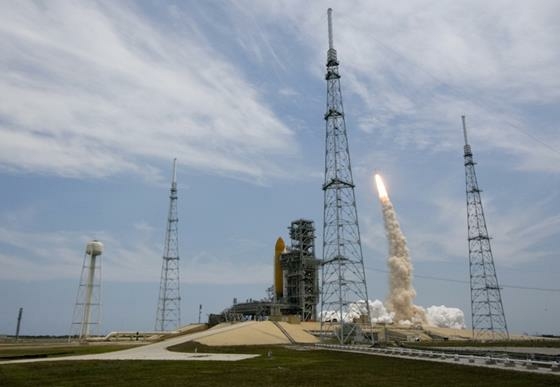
x=278, y=275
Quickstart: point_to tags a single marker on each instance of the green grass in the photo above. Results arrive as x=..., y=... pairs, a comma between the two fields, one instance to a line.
x=42, y=351
x=286, y=367
x=192, y=346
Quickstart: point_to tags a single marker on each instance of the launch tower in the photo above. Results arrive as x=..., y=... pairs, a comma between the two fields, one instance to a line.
x=487, y=311
x=343, y=275
x=300, y=270
x=168, y=315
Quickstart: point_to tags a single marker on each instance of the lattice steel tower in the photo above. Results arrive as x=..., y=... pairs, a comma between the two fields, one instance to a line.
x=343, y=275
x=487, y=311
x=168, y=316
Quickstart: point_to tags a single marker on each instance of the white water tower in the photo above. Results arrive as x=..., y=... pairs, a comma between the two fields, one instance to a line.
x=87, y=310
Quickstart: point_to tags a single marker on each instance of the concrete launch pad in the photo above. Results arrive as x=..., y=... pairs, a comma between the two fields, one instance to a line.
x=251, y=333
x=159, y=351
x=258, y=333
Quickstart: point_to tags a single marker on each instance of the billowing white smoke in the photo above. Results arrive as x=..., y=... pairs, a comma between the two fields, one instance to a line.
x=401, y=292
x=444, y=317
x=437, y=316
x=379, y=313
x=399, y=307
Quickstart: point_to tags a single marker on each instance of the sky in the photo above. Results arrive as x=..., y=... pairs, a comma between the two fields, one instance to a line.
x=97, y=98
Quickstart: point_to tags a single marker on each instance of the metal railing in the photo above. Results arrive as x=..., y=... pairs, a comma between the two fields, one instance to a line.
x=553, y=366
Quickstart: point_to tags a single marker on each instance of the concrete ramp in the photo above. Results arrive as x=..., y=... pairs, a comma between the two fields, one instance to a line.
x=298, y=333
x=284, y=331
x=259, y=333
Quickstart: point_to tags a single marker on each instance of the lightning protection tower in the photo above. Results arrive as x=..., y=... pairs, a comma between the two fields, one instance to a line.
x=343, y=275
x=487, y=311
x=168, y=315
x=87, y=310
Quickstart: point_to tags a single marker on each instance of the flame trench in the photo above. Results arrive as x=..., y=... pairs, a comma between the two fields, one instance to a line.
x=401, y=292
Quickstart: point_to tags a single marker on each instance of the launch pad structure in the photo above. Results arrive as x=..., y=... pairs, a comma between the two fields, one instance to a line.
x=295, y=293
x=300, y=267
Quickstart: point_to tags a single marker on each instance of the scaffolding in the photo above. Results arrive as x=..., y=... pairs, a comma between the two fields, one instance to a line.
x=300, y=267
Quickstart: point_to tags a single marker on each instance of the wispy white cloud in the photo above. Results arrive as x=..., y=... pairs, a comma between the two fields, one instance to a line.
x=92, y=89
x=120, y=92
x=28, y=256
x=416, y=67
x=207, y=268
x=523, y=233
x=59, y=254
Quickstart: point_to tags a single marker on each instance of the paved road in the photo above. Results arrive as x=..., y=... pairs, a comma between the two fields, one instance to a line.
x=156, y=351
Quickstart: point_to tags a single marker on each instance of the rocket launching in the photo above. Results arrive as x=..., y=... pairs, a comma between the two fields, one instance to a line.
x=381, y=190
x=401, y=292
x=399, y=307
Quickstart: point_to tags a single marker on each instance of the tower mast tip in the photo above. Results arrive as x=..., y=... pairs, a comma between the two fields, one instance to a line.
x=329, y=14
x=464, y=130
x=174, y=181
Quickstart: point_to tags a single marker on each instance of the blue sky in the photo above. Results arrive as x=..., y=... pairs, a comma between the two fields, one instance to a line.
x=97, y=98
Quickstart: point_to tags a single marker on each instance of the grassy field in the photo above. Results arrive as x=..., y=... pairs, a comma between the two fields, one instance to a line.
x=285, y=367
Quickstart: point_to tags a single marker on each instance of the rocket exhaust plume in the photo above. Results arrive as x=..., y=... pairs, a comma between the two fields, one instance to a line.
x=381, y=190
x=401, y=292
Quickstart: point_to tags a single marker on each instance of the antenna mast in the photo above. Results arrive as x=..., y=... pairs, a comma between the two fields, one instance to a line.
x=329, y=15
x=18, y=323
x=465, y=131
x=487, y=311
x=342, y=270
x=168, y=315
